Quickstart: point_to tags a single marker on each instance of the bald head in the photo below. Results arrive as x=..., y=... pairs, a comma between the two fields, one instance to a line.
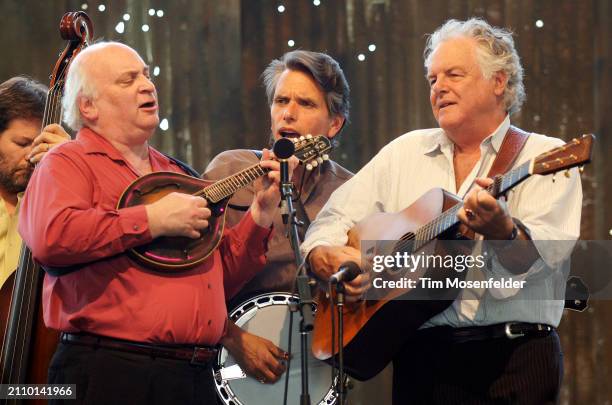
x=109, y=90
x=89, y=65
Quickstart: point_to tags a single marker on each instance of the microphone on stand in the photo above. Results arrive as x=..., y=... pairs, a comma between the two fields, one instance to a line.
x=347, y=271
x=283, y=149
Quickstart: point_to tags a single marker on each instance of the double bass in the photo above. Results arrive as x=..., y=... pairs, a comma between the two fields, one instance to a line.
x=27, y=345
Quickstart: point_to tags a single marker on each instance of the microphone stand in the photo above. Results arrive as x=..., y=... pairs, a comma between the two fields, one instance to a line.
x=340, y=306
x=305, y=297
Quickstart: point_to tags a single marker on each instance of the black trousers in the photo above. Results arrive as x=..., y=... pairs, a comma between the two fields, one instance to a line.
x=525, y=370
x=104, y=376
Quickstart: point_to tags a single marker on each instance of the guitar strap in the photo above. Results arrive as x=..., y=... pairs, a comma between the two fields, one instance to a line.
x=184, y=166
x=509, y=150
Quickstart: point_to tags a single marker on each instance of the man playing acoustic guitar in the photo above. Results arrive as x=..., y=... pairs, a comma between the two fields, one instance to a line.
x=492, y=349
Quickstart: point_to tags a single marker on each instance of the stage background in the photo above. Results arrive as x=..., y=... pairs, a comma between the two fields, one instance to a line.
x=210, y=55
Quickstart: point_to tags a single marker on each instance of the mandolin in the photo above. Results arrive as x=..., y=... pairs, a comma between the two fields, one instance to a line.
x=174, y=254
x=27, y=345
x=416, y=228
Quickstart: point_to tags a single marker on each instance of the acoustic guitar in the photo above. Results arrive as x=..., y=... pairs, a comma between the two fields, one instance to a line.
x=175, y=254
x=375, y=330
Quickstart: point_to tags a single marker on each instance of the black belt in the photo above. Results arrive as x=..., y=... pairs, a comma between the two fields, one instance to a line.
x=508, y=330
x=196, y=355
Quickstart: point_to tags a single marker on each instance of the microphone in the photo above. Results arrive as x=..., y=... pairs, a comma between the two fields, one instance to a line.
x=283, y=148
x=346, y=272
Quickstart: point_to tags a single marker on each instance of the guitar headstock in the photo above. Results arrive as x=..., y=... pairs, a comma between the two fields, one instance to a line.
x=577, y=152
x=312, y=150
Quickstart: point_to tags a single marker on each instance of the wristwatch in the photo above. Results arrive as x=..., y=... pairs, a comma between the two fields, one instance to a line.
x=517, y=226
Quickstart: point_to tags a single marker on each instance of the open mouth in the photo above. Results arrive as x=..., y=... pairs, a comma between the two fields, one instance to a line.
x=445, y=104
x=149, y=104
x=288, y=133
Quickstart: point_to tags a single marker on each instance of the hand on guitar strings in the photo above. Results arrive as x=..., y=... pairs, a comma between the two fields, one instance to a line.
x=267, y=189
x=485, y=215
x=258, y=357
x=51, y=136
x=325, y=261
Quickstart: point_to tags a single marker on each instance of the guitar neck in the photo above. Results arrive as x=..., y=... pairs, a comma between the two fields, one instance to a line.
x=448, y=219
x=229, y=185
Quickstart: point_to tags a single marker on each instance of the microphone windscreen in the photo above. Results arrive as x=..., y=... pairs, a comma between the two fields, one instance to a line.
x=283, y=148
x=352, y=270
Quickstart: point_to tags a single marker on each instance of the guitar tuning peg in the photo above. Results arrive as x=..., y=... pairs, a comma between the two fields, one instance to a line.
x=325, y=157
x=315, y=163
x=553, y=178
x=581, y=169
x=308, y=136
x=302, y=138
x=320, y=160
x=567, y=173
x=309, y=167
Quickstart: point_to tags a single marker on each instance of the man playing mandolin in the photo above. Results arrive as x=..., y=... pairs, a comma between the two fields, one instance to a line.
x=130, y=334
x=467, y=352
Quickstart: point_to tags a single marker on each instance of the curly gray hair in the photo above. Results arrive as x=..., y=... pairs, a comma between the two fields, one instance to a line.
x=495, y=53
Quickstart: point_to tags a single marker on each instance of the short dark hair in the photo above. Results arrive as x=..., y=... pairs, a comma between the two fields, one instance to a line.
x=21, y=97
x=322, y=68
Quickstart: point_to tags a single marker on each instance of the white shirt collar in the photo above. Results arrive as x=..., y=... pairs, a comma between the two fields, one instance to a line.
x=495, y=139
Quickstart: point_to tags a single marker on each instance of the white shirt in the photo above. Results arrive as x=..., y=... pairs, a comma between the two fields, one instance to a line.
x=420, y=160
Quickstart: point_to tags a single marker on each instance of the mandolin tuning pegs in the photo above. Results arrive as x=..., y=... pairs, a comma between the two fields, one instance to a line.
x=567, y=173
x=581, y=169
x=302, y=138
x=320, y=160
x=326, y=157
x=309, y=167
x=315, y=163
x=308, y=136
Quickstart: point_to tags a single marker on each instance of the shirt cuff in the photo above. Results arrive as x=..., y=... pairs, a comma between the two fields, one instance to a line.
x=134, y=224
x=251, y=233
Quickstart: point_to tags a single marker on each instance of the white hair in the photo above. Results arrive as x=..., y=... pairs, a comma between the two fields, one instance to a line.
x=78, y=84
x=495, y=52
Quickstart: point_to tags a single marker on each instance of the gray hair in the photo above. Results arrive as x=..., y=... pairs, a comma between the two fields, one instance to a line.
x=78, y=85
x=325, y=71
x=495, y=52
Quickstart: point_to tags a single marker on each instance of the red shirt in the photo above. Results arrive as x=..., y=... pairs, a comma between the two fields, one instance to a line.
x=68, y=216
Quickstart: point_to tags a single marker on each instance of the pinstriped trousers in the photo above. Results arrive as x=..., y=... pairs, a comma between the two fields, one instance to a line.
x=526, y=370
